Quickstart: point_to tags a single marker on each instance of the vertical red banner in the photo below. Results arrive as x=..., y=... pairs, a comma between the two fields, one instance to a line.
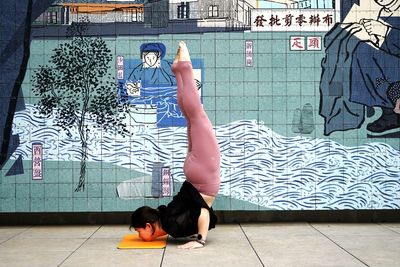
x=37, y=161
x=167, y=183
x=120, y=67
x=249, y=53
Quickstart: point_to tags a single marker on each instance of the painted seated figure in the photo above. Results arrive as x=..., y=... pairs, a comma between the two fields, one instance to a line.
x=361, y=68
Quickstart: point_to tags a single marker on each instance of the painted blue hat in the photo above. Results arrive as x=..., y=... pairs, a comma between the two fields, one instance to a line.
x=153, y=47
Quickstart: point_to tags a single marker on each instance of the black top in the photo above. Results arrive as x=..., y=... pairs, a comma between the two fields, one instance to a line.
x=180, y=217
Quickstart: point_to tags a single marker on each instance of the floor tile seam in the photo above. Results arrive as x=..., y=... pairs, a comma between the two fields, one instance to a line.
x=86, y=240
x=387, y=227
x=164, y=249
x=251, y=245
x=1, y=243
x=338, y=245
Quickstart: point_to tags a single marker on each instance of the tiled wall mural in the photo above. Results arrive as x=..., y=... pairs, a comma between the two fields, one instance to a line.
x=303, y=95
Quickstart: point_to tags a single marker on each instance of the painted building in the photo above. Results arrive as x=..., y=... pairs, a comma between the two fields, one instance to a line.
x=315, y=3
x=54, y=15
x=67, y=12
x=156, y=14
x=233, y=14
x=297, y=3
x=106, y=12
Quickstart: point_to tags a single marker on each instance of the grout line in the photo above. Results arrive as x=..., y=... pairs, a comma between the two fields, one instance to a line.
x=79, y=246
x=162, y=258
x=338, y=245
x=388, y=228
x=20, y=233
x=251, y=245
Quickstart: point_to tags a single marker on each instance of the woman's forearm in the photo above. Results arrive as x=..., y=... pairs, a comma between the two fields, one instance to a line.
x=203, y=223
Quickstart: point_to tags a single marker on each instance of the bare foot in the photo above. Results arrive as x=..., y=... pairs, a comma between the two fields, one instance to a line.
x=183, y=52
x=177, y=55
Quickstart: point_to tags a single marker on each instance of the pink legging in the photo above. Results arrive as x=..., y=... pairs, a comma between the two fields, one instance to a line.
x=202, y=163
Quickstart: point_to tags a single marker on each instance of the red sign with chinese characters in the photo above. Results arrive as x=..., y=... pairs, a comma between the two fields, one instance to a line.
x=297, y=43
x=249, y=53
x=120, y=67
x=314, y=43
x=37, y=161
x=167, y=183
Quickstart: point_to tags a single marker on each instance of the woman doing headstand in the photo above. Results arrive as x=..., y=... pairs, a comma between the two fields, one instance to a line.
x=190, y=212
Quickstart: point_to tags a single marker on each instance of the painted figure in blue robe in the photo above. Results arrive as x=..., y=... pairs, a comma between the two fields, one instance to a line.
x=362, y=68
x=153, y=70
x=377, y=68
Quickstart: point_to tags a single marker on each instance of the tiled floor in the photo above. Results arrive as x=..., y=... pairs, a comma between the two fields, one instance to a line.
x=248, y=245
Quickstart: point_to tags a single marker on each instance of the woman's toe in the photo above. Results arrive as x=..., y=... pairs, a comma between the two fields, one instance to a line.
x=184, y=52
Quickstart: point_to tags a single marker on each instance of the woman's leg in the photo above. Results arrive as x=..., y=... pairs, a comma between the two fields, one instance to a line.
x=182, y=109
x=202, y=162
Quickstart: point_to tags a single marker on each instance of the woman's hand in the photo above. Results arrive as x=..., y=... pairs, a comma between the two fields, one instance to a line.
x=191, y=245
x=359, y=31
x=375, y=27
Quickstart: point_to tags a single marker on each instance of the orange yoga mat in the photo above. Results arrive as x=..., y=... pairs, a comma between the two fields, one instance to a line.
x=134, y=241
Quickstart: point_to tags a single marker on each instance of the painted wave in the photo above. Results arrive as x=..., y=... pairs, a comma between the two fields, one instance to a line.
x=257, y=165
x=164, y=99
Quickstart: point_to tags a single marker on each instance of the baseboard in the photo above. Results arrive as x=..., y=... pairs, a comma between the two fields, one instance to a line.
x=66, y=218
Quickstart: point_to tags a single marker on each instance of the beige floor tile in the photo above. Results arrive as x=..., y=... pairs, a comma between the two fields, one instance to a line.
x=269, y=230
x=225, y=231
x=104, y=252
x=112, y=231
x=226, y=246
x=7, y=232
x=101, y=244
x=374, y=244
x=301, y=251
x=70, y=231
x=30, y=258
x=295, y=244
x=20, y=245
x=277, y=244
x=331, y=229
x=379, y=250
x=392, y=226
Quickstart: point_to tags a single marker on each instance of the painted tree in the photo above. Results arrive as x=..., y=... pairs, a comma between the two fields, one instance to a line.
x=77, y=87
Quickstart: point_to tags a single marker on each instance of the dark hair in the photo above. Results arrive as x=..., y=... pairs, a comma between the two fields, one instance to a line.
x=144, y=215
